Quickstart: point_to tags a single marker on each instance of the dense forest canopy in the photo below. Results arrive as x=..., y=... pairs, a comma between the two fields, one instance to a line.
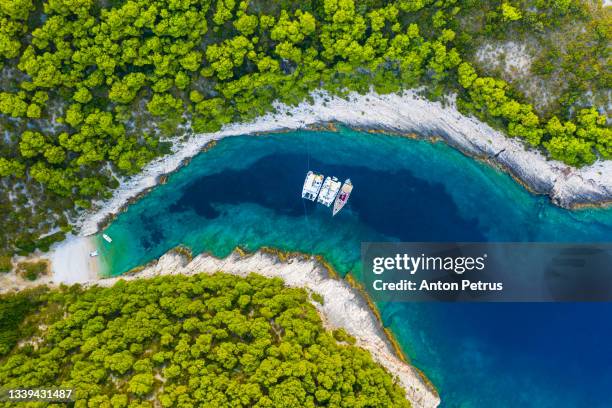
x=91, y=90
x=205, y=340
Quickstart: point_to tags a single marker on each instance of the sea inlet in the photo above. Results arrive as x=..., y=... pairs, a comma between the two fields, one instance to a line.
x=246, y=192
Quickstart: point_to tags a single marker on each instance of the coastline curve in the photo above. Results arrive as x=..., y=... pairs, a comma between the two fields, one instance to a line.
x=405, y=113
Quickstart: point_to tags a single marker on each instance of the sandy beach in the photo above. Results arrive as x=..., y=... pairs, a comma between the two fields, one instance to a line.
x=71, y=263
x=343, y=306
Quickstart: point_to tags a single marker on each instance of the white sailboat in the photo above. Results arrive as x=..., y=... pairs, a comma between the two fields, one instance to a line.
x=343, y=197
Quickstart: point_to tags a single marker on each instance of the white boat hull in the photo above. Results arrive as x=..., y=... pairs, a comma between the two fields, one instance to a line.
x=330, y=189
x=343, y=196
x=312, y=185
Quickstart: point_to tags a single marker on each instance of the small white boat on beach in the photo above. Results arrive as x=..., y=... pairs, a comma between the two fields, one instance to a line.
x=107, y=238
x=343, y=197
x=330, y=189
x=312, y=185
x=93, y=254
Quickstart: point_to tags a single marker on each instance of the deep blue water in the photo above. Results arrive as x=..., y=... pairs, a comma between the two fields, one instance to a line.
x=510, y=355
x=246, y=192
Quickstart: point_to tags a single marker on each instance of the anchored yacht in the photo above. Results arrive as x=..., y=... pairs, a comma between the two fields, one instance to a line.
x=312, y=185
x=330, y=189
x=343, y=197
x=107, y=238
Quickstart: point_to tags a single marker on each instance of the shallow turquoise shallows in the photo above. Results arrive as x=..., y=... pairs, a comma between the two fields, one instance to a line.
x=246, y=192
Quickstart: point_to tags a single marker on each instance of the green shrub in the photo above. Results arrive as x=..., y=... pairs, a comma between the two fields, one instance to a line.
x=6, y=263
x=317, y=298
x=32, y=270
x=44, y=243
x=13, y=310
x=342, y=335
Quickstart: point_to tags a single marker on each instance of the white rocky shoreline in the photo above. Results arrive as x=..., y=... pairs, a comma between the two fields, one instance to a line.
x=343, y=306
x=405, y=113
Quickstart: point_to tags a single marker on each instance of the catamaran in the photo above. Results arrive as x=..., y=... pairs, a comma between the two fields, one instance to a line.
x=107, y=238
x=330, y=189
x=343, y=197
x=312, y=185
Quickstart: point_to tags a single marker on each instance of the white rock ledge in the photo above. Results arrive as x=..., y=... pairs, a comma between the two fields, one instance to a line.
x=343, y=307
x=406, y=113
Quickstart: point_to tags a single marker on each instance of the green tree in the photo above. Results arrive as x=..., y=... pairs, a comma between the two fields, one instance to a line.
x=141, y=384
x=32, y=144
x=510, y=13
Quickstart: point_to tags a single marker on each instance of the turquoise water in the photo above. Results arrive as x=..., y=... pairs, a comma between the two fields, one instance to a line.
x=246, y=192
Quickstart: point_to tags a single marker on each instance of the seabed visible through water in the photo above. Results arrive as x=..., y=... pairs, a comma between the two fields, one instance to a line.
x=246, y=192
